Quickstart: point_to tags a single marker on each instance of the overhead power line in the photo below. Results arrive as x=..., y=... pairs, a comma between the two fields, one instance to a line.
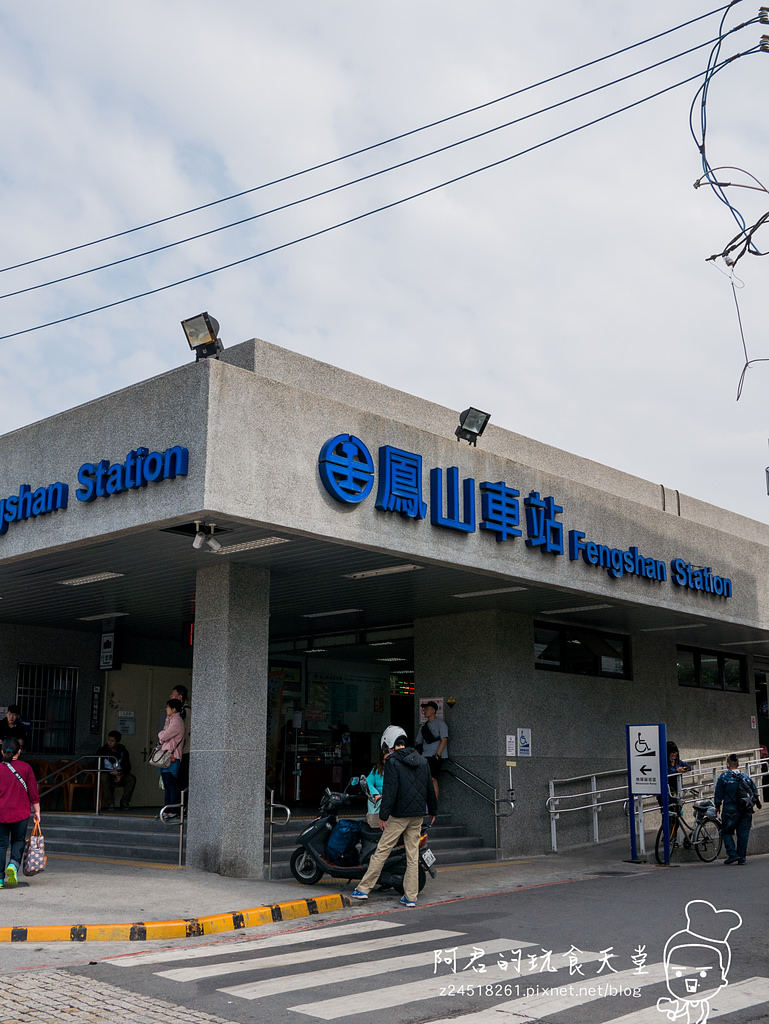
x=355, y=181
x=352, y=220
x=368, y=149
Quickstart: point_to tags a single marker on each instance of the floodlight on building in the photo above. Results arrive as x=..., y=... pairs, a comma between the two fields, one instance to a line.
x=472, y=423
x=202, y=333
x=200, y=535
x=212, y=542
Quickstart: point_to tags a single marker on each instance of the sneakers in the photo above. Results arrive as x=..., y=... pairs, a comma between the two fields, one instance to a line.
x=359, y=894
x=10, y=876
x=406, y=902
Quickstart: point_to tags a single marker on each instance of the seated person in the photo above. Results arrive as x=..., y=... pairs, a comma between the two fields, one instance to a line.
x=12, y=726
x=115, y=771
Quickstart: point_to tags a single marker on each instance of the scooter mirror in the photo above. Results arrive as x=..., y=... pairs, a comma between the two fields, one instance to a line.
x=354, y=780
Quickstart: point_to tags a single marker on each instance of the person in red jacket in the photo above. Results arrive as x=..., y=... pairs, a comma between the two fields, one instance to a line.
x=18, y=795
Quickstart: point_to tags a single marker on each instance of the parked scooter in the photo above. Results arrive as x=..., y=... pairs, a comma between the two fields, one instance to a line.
x=312, y=858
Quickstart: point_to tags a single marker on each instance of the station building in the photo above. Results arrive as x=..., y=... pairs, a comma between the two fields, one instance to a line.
x=313, y=554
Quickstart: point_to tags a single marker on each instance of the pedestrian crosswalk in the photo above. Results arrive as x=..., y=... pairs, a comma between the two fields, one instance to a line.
x=388, y=972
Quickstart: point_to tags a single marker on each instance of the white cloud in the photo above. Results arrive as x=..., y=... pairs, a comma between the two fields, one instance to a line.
x=565, y=291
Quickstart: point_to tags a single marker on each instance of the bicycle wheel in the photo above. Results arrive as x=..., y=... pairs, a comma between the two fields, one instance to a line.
x=659, y=843
x=707, y=841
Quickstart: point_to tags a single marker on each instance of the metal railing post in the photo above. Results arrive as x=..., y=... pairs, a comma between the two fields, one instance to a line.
x=596, y=807
x=553, y=807
x=272, y=822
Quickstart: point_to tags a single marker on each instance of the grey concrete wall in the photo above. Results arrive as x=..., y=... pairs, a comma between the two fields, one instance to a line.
x=332, y=383
x=227, y=741
x=485, y=661
x=273, y=478
x=167, y=410
x=254, y=435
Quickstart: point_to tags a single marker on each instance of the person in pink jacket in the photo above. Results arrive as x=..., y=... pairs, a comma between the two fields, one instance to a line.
x=171, y=737
x=18, y=795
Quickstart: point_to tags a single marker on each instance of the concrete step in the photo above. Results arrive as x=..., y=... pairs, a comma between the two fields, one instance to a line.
x=111, y=836
x=138, y=835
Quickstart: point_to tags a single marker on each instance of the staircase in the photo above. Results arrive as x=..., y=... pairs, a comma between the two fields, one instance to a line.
x=450, y=844
x=137, y=835
x=129, y=836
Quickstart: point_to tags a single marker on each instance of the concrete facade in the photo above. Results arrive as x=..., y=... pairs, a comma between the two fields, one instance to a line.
x=254, y=423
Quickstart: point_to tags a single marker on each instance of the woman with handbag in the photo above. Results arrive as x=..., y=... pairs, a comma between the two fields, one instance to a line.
x=171, y=738
x=18, y=795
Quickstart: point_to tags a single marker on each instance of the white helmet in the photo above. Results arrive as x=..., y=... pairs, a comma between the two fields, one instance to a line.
x=391, y=734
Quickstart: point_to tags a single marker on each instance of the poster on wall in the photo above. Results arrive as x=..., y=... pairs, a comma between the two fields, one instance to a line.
x=524, y=742
x=126, y=723
x=96, y=706
x=107, y=654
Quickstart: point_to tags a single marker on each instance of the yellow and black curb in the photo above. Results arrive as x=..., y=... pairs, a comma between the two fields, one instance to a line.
x=191, y=928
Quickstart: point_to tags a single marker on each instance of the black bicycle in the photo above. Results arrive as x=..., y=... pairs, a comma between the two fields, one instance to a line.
x=704, y=837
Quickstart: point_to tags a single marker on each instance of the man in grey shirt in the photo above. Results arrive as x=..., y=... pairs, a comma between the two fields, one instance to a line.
x=434, y=738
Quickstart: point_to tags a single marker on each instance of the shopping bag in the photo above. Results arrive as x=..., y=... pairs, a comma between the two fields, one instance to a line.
x=33, y=861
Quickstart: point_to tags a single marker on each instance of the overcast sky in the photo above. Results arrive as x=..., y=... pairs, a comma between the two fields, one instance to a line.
x=565, y=291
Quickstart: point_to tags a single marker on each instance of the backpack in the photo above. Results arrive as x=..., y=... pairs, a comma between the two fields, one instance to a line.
x=341, y=846
x=745, y=795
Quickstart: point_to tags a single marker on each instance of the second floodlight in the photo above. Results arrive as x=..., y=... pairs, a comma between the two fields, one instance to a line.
x=202, y=333
x=472, y=423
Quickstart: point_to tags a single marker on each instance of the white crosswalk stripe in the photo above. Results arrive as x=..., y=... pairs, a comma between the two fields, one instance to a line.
x=739, y=996
x=564, y=994
x=307, y=935
x=434, y=987
x=309, y=955
x=351, y=972
x=439, y=968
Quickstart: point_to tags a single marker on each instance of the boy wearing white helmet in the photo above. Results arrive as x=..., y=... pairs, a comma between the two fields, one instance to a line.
x=406, y=789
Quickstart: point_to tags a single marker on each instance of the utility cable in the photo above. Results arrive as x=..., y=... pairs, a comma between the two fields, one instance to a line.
x=713, y=67
x=352, y=220
x=368, y=149
x=355, y=181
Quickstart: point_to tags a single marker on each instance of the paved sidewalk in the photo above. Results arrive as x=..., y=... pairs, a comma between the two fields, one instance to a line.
x=80, y=900
x=86, y=900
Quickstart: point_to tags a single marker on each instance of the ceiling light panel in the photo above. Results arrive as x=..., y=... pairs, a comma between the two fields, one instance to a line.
x=97, y=577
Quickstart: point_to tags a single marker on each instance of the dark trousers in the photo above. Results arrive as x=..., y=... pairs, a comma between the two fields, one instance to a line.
x=109, y=785
x=170, y=777
x=740, y=828
x=13, y=833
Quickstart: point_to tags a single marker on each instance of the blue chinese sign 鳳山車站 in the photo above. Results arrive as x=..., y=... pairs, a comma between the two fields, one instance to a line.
x=347, y=471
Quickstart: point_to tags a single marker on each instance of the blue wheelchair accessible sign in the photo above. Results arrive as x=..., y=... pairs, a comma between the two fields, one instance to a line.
x=646, y=775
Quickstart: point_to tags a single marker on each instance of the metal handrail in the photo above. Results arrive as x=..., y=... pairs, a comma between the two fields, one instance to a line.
x=272, y=822
x=180, y=823
x=83, y=771
x=495, y=801
x=704, y=773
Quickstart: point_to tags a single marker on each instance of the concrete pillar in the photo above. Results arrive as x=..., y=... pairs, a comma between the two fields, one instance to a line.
x=229, y=721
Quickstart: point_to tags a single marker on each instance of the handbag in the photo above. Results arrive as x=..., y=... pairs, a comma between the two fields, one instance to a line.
x=34, y=858
x=160, y=758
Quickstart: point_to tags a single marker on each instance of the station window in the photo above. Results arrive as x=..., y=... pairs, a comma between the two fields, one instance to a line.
x=47, y=695
x=581, y=652
x=711, y=670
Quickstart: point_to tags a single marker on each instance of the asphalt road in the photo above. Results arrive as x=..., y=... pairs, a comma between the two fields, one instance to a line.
x=587, y=950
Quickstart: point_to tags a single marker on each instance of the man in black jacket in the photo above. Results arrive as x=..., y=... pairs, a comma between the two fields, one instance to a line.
x=116, y=771
x=407, y=788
